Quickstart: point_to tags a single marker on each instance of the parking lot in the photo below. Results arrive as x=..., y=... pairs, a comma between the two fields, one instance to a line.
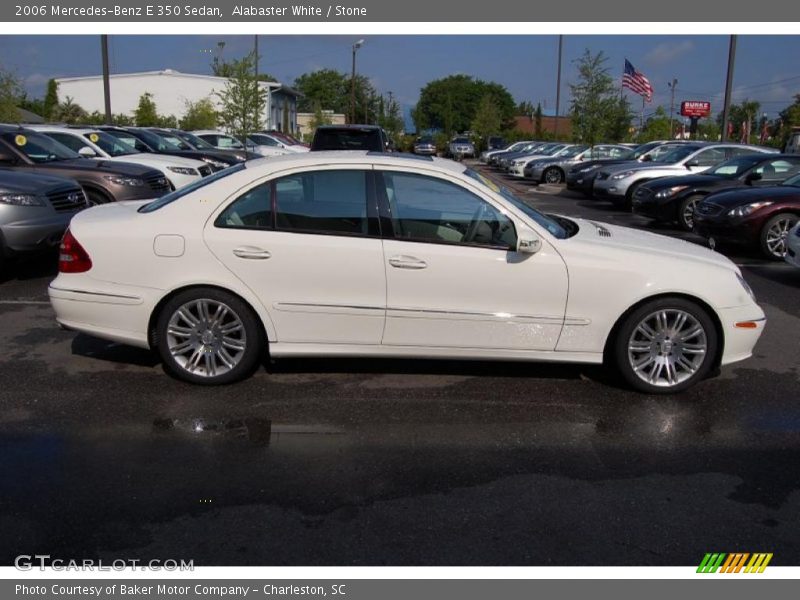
x=370, y=462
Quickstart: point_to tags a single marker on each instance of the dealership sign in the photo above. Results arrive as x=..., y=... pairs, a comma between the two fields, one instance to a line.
x=695, y=108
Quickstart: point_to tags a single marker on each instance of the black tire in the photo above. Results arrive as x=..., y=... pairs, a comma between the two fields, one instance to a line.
x=627, y=203
x=771, y=248
x=251, y=338
x=553, y=175
x=95, y=198
x=701, y=364
x=686, y=221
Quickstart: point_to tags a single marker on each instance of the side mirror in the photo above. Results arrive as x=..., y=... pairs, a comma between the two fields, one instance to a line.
x=753, y=176
x=87, y=152
x=528, y=242
x=692, y=163
x=647, y=158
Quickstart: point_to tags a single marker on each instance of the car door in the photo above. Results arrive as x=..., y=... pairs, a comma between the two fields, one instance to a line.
x=308, y=245
x=705, y=159
x=453, y=276
x=775, y=171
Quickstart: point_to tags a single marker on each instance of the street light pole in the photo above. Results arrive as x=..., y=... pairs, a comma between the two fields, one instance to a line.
x=726, y=110
x=558, y=85
x=672, y=86
x=356, y=46
x=106, y=79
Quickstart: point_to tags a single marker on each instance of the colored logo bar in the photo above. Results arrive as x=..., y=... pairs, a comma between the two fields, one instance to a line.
x=736, y=562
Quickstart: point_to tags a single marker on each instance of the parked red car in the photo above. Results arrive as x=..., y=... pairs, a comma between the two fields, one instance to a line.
x=760, y=217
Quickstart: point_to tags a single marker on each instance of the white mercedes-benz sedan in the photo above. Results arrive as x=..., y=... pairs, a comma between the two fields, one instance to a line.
x=370, y=254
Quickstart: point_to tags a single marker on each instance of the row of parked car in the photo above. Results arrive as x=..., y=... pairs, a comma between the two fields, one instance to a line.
x=727, y=193
x=50, y=172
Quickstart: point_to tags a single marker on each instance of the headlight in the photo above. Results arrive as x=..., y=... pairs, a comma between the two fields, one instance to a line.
x=217, y=164
x=587, y=169
x=746, y=286
x=183, y=170
x=21, y=199
x=122, y=180
x=748, y=209
x=669, y=192
x=622, y=175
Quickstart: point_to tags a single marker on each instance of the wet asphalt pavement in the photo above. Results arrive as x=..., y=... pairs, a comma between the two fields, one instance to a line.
x=377, y=462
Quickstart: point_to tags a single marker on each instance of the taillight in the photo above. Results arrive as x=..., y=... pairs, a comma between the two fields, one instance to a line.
x=72, y=258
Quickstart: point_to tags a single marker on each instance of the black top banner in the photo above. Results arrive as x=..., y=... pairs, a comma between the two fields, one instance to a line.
x=464, y=11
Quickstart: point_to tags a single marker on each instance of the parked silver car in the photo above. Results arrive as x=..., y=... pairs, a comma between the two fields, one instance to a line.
x=425, y=146
x=618, y=184
x=461, y=147
x=35, y=210
x=553, y=170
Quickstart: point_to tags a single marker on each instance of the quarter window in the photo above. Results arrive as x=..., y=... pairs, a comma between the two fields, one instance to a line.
x=253, y=210
x=426, y=209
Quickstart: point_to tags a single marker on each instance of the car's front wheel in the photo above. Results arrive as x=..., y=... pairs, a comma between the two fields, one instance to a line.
x=686, y=211
x=209, y=336
x=774, y=233
x=552, y=175
x=666, y=346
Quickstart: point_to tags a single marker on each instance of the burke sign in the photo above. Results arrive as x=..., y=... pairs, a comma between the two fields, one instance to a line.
x=695, y=108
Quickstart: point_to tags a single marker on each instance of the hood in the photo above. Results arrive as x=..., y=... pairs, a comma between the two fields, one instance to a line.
x=646, y=243
x=159, y=161
x=17, y=182
x=691, y=181
x=603, y=163
x=746, y=195
x=98, y=165
x=229, y=158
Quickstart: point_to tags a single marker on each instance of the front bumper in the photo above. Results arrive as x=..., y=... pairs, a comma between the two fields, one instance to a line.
x=723, y=229
x=517, y=170
x=610, y=189
x=740, y=341
x=661, y=209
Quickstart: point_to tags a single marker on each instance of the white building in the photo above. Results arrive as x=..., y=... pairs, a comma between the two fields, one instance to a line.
x=171, y=90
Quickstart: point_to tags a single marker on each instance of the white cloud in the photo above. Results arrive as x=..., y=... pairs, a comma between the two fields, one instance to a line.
x=668, y=51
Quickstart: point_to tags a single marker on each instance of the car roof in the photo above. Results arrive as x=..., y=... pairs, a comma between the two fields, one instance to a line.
x=324, y=157
x=208, y=132
x=350, y=127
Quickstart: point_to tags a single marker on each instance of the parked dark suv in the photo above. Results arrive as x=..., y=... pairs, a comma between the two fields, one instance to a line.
x=35, y=210
x=351, y=137
x=102, y=180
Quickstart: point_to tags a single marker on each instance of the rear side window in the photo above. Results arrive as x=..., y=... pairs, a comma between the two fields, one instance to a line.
x=332, y=202
x=347, y=139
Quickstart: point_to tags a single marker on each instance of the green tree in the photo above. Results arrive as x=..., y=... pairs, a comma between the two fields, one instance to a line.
x=34, y=105
x=619, y=125
x=747, y=111
x=452, y=102
x=243, y=100
x=594, y=107
x=537, y=122
x=656, y=127
x=389, y=116
x=525, y=108
x=789, y=117
x=331, y=90
x=199, y=115
x=50, y=99
x=69, y=112
x=10, y=92
x=146, y=114
x=487, y=120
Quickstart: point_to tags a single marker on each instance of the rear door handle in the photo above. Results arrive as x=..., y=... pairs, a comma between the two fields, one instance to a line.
x=251, y=252
x=407, y=262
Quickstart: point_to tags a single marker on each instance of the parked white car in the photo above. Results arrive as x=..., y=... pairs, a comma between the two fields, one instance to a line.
x=266, y=145
x=793, y=246
x=357, y=254
x=91, y=143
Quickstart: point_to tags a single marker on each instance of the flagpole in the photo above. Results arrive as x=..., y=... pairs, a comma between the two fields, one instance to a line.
x=641, y=123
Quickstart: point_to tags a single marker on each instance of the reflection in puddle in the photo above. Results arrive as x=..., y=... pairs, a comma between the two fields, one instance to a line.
x=255, y=430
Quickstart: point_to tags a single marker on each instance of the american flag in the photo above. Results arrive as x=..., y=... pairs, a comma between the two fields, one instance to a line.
x=636, y=82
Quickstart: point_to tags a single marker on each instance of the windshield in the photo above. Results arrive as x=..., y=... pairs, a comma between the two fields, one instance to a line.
x=425, y=140
x=188, y=189
x=793, y=181
x=161, y=143
x=261, y=140
x=555, y=229
x=195, y=141
x=39, y=148
x=676, y=154
x=461, y=140
x=643, y=149
x=551, y=150
x=109, y=144
x=734, y=167
x=570, y=152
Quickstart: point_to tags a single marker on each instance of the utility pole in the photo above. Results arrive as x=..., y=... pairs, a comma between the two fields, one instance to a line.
x=558, y=85
x=356, y=46
x=106, y=79
x=672, y=87
x=726, y=110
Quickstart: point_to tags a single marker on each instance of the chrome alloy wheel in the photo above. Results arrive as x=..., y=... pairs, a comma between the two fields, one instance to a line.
x=206, y=337
x=667, y=347
x=552, y=176
x=688, y=213
x=776, y=237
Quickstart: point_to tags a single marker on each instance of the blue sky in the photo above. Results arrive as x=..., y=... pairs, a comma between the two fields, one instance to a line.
x=526, y=65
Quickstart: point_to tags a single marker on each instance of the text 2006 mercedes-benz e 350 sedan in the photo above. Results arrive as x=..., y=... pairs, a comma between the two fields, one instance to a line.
x=369, y=254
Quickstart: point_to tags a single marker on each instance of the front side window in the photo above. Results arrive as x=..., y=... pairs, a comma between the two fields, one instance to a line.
x=425, y=209
x=332, y=202
x=710, y=157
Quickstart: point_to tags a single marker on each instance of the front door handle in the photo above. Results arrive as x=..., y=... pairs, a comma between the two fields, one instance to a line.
x=407, y=262
x=251, y=252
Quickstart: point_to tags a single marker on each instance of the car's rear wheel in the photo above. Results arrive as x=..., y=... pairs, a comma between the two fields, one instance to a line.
x=666, y=346
x=552, y=175
x=209, y=336
x=686, y=211
x=774, y=233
